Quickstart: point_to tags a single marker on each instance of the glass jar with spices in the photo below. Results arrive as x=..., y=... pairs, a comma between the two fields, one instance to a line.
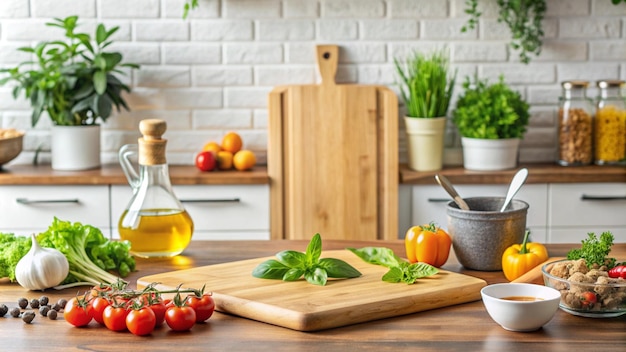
x=610, y=123
x=575, y=125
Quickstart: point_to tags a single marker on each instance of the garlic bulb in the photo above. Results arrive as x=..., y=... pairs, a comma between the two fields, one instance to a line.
x=41, y=268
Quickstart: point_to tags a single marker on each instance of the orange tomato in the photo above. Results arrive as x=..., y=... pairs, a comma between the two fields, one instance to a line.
x=427, y=244
x=244, y=160
x=232, y=142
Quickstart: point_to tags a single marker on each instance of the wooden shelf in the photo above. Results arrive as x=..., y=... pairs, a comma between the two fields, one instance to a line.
x=113, y=175
x=537, y=173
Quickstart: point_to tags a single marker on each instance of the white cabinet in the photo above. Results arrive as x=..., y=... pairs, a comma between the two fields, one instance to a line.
x=578, y=208
x=429, y=204
x=31, y=209
x=219, y=212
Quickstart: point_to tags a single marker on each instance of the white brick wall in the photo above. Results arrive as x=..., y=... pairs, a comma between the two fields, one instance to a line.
x=211, y=73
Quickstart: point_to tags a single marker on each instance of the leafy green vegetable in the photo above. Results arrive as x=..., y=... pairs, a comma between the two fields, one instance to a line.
x=292, y=265
x=12, y=249
x=594, y=250
x=427, y=83
x=88, y=252
x=400, y=270
x=490, y=111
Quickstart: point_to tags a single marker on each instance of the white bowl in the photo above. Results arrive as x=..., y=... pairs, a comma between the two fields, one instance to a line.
x=520, y=315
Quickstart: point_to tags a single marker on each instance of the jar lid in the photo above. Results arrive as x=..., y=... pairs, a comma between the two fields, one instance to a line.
x=606, y=83
x=574, y=84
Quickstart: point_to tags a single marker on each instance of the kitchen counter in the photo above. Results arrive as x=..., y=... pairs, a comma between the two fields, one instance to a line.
x=462, y=327
x=190, y=175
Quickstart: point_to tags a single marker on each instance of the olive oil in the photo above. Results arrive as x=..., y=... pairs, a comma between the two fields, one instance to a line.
x=156, y=232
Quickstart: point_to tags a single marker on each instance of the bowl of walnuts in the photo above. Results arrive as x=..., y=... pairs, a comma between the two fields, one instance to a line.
x=10, y=144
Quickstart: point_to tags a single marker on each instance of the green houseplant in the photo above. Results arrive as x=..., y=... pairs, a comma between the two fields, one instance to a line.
x=74, y=81
x=493, y=117
x=426, y=86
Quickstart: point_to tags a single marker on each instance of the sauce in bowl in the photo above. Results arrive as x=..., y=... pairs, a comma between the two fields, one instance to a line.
x=522, y=298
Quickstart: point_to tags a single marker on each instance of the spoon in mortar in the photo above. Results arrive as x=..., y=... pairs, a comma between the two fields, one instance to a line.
x=516, y=183
x=445, y=183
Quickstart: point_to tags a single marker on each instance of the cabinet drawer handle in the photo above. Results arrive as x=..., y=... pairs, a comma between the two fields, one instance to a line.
x=439, y=200
x=586, y=197
x=216, y=200
x=43, y=201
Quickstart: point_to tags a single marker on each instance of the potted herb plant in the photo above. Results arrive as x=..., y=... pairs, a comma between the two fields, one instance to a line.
x=74, y=81
x=426, y=88
x=491, y=119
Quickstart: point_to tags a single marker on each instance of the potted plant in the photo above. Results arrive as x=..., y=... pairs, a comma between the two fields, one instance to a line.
x=491, y=119
x=74, y=82
x=426, y=88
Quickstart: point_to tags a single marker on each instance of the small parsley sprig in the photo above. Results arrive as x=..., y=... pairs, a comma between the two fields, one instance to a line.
x=594, y=250
x=292, y=265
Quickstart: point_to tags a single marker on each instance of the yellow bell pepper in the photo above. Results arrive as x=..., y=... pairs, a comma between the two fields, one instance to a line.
x=518, y=259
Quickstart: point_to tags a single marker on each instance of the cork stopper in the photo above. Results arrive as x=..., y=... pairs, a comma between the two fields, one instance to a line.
x=151, y=145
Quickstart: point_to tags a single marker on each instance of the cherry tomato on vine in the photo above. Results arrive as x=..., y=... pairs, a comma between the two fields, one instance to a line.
x=115, y=317
x=98, y=305
x=141, y=321
x=159, y=309
x=204, y=306
x=180, y=318
x=78, y=311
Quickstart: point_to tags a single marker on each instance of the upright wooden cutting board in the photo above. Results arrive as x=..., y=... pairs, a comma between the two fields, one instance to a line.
x=333, y=158
x=306, y=307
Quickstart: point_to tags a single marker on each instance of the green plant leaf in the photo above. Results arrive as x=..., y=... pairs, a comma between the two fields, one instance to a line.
x=293, y=274
x=377, y=256
x=100, y=82
x=316, y=276
x=314, y=250
x=270, y=269
x=101, y=34
x=394, y=275
x=292, y=259
x=339, y=269
x=104, y=106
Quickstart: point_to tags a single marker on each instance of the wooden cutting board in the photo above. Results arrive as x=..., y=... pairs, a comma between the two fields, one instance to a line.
x=306, y=307
x=333, y=158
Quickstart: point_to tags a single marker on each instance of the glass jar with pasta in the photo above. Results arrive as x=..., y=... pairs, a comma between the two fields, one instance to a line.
x=610, y=123
x=575, y=125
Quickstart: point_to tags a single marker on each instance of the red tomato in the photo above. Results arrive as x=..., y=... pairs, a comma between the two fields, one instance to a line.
x=205, y=161
x=204, y=306
x=115, y=318
x=180, y=318
x=141, y=321
x=100, y=290
x=78, y=311
x=159, y=312
x=588, y=299
x=99, y=304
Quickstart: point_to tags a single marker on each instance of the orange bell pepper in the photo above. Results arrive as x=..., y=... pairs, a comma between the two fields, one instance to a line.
x=518, y=259
x=427, y=244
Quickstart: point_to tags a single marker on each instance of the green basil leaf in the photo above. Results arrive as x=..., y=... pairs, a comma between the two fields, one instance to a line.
x=314, y=250
x=394, y=275
x=317, y=276
x=293, y=274
x=337, y=268
x=378, y=255
x=292, y=259
x=422, y=270
x=270, y=269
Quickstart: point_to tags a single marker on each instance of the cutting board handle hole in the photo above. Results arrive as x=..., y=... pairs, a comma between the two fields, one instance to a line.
x=326, y=55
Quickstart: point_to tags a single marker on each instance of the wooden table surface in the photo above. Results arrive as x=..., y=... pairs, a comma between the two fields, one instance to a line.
x=465, y=327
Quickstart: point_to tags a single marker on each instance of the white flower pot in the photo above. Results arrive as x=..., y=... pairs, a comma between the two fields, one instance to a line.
x=425, y=139
x=490, y=154
x=75, y=148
